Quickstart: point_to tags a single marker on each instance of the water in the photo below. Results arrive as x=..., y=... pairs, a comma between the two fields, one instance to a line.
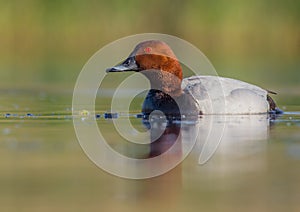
x=249, y=163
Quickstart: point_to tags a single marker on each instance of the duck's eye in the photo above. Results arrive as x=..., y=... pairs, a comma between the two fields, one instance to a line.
x=147, y=49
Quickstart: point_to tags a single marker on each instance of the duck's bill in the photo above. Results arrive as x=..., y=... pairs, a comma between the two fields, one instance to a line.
x=128, y=65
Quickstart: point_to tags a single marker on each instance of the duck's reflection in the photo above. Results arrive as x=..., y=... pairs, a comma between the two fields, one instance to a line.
x=167, y=187
x=229, y=139
x=163, y=135
x=223, y=136
x=231, y=136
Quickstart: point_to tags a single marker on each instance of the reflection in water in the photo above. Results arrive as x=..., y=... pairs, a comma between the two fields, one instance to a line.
x=231, y=136
x=224, y=137
x=167, y=187
x=231, y=140
x=163, y=135
x=234, y=136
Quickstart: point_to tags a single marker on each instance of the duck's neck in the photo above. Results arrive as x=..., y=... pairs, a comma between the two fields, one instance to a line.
x=164, y=81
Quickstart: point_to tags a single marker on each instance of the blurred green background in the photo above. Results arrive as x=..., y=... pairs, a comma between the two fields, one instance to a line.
x=48, y=42
x=45, y=43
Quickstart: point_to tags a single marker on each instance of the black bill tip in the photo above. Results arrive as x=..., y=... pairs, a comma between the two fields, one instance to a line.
x=112, y=69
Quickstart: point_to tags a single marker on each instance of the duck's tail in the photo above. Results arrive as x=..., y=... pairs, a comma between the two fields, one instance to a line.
x=273, y=105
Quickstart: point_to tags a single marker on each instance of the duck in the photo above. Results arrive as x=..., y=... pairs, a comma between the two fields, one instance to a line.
x=195, y=95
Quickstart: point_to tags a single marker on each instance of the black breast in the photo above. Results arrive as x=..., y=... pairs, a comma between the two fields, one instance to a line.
x=170, y=105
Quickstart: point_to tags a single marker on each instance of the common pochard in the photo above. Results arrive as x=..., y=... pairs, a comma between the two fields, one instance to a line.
x=195, y=95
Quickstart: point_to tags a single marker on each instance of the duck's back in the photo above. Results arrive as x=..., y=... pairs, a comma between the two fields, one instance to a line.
x=219, y=95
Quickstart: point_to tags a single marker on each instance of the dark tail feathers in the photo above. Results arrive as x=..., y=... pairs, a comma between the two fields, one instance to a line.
x=273, y=105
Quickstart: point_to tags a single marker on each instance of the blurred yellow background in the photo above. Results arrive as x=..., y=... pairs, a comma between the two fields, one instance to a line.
x=49, y=41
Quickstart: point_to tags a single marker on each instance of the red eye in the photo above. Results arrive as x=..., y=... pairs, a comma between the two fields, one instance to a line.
x=147, y=49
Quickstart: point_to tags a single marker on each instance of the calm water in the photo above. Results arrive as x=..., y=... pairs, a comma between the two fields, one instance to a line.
x=238, y=162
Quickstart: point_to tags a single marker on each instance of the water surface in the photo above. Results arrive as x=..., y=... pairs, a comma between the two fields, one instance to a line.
x=254, y=165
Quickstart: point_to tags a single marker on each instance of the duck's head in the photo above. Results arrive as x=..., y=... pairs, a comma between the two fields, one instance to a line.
x=156, y=60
